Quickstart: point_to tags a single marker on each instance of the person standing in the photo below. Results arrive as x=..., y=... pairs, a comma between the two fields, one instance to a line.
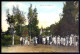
x=47, y=39
x=50, y=38
x=61, y=40
x=28, y=41
x=75, y=40
x=21, y=41
x=34, y=39
x=58, y=40
x=44, y=40
x=66, y=40
x=53, y=40
x=71, y=40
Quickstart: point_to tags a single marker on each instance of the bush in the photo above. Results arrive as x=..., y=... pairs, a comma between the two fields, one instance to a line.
x=17, y=40
x=7, y=40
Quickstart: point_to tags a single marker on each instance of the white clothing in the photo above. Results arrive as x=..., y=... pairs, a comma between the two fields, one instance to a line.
x=28, y=43
x=23, y=41
x=44, y=39
x=47, y=37
x=20, y=38
x=70, y=40
x=67, y=41
x=61, y=40
x=64, y=42
x=75, y=42
x=58, y=40
x=55, y=40
x=36, y=39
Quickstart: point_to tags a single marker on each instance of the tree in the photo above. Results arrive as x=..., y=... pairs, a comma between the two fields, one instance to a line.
x=67, y=24
x=25, y=30
x=76, y=15
x=47, y=31
x=10, y=19
x=17, y=19
x=32, y=26
x=30, y=19
x=54, y=29
x=68, y=20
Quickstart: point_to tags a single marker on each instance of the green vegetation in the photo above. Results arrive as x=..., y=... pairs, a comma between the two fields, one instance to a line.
x=33, y=29
x=7, y=40
x=16, y=20
x=67, y=24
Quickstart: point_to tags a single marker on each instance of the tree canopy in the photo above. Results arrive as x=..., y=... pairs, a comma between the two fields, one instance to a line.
x=67, y=24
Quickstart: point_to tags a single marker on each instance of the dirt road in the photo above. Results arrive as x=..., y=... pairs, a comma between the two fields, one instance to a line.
x=38, y=48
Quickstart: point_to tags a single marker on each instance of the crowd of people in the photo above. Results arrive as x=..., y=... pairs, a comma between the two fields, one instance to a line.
x=69, y=40
x=24, y=40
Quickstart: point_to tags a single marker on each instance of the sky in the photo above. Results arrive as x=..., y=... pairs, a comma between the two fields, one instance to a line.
x=48, y=12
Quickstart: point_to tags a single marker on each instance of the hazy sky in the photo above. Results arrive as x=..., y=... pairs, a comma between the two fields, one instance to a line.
x=48, y=12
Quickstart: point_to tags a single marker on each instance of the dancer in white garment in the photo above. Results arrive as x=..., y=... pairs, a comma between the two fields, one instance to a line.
x=58, y=40
x=50, y=41
x=36, y=40
x=71, y=40
x=44, y=40
x=67, y=41
x=61, y=40
x=33, y=40
x=26, y=40
x=47, y=39
x=21, y=40
x=53, y=40
x=75, y=40
x=64, y=41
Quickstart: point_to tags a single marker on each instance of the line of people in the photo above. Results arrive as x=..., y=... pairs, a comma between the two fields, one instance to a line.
x=68, y=40
x=72, y=40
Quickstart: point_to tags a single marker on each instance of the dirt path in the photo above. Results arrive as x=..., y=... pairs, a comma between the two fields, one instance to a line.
x=39, y=48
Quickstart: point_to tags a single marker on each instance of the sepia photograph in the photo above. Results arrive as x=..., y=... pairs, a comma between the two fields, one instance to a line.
x=39, y=26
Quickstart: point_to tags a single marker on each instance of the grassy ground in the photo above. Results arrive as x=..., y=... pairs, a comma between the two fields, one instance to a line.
x=39, y=48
